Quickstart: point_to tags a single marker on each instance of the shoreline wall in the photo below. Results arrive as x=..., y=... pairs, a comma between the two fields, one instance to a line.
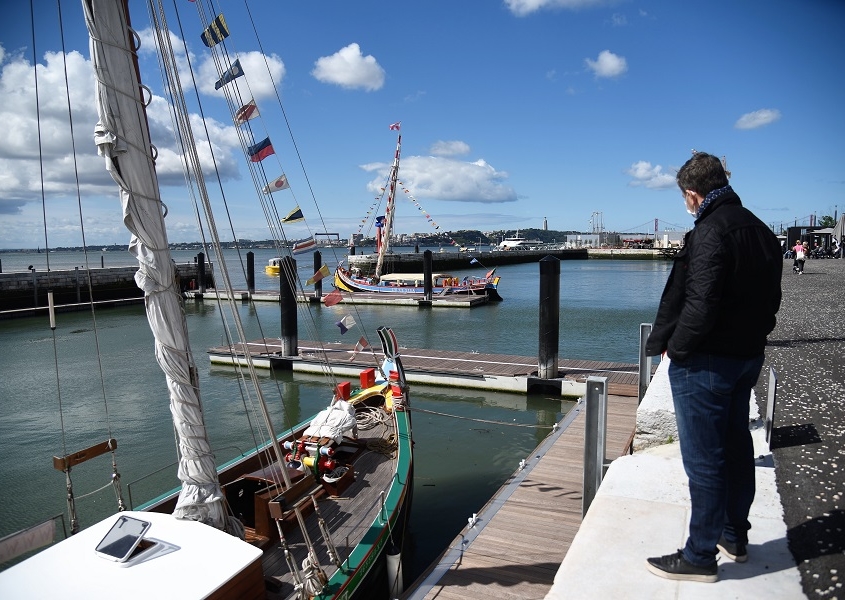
x=28, y=289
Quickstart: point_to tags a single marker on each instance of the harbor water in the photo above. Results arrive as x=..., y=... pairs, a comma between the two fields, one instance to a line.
x=95, y=377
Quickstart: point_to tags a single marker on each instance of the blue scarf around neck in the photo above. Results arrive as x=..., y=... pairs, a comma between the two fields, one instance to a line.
x=712, y=196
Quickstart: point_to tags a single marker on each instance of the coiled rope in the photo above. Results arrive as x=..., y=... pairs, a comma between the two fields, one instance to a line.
x=386, y=446
x=370, y=416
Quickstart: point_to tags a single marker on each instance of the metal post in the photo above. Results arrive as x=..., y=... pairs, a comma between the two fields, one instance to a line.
x=318, y=285
x=287, y=304
x=250, y=272
x=201, y=271
x=549, y=318
x=428, y=286
x=770, y=404
x=645, y=362
x=594, y=438
x=34, y=288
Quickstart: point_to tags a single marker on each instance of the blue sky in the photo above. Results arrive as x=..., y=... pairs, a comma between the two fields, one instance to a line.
x=511, y=111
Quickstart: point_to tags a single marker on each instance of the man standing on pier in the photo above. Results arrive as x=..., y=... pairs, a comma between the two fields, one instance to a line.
x=717, y=308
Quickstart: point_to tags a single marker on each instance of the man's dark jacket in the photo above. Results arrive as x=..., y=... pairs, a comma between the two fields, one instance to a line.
x=724, y=289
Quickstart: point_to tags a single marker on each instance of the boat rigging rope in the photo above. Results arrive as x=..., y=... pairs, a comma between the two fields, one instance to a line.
x=440, y=414
x=313, y=578
x=115, y=478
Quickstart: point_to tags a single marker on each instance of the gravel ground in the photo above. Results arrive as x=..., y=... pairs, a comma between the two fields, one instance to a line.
x=807, y=351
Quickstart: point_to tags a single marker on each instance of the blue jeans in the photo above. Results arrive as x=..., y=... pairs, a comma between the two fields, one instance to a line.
x=711, y=396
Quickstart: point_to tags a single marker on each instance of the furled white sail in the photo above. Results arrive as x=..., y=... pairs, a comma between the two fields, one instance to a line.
x=122, y=138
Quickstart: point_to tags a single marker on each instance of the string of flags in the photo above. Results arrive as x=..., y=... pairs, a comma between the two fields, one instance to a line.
x=377, y=202
x=212, y=35
x=215, y=33
x=427, y=216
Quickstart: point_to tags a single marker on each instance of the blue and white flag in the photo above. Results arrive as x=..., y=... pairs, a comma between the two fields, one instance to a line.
x=345, y=324
x=231, y=74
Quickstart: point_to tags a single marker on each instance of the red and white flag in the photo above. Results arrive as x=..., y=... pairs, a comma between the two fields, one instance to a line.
x=281, y=183
x=362, y=343
x=246, y=112
x=395, y=126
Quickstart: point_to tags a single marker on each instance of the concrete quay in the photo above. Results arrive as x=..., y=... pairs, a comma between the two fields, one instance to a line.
x=25, y=293
x=797, y=540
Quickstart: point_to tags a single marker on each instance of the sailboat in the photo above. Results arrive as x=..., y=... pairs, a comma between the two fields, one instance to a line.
x=352, y=280
x=309, y=513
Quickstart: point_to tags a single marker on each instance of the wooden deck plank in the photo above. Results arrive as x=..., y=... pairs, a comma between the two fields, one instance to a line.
x=622, y=377
x=519, y=550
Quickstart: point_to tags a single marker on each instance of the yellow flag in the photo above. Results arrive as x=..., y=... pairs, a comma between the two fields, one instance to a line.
x=323, y=272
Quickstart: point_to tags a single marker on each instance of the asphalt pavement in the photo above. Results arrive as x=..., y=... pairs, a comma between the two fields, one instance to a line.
x=807, y=351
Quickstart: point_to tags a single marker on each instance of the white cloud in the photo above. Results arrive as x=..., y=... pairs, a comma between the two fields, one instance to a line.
x=20, y=168
x=438, y=178
x=350, y=69
x=618, y=20
x=453, y=148
x=649, y=176
x=525, y=7
x=608, y=64
x=758, y=118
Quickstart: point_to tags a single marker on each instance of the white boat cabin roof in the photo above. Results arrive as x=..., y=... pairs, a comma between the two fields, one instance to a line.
x=188, y=560
x=411, y=276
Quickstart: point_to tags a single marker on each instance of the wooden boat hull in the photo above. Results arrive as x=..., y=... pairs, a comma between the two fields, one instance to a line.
x=345, y=281
x=363, y=571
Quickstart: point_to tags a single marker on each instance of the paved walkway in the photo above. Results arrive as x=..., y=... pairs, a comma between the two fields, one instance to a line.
x=807, y=350
x=797, y=541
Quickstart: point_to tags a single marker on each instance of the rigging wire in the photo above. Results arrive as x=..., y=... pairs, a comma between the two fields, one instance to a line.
x=82, y=232
x=44, y=211
x=190, y=157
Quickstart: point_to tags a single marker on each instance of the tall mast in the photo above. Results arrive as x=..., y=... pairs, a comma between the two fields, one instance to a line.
x=384, y=244
x=123, y=140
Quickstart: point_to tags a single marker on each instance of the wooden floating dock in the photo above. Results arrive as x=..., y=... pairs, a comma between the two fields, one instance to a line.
x=437, y=301
x=523, y=533
x=502, y=372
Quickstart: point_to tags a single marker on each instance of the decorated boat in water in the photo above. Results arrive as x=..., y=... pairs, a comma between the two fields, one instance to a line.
x=414, y=283
x=353, y=280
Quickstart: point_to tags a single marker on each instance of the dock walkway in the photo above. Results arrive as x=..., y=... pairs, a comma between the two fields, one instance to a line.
x=523, y=533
